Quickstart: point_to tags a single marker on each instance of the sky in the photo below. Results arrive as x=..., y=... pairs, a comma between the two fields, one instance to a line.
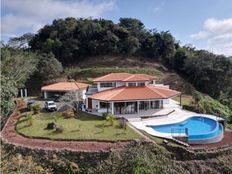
x=205, y=24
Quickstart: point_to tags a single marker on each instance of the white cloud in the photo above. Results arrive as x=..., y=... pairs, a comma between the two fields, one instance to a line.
x=158, y=7
x=31, y=15
x=217, y=36
x=200, y=35
x=218, y=26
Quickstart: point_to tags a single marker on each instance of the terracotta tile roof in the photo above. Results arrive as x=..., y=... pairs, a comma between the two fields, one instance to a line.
x=125, y=77
x=135, y=93
x=64, y=86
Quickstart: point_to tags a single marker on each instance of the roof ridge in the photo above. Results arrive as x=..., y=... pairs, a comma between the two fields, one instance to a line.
x=117, y=92
x=77, y=85
x=155, y=90
x=102, y=76
x=131, y=75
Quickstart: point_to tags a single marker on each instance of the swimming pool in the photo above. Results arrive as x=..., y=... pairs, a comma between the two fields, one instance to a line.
x=199, y=130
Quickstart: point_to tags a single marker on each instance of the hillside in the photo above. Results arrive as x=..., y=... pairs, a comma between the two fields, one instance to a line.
x=97, y=66
x=101, y=65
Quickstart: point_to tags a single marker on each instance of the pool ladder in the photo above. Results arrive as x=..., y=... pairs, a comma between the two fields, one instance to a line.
x=180, y=134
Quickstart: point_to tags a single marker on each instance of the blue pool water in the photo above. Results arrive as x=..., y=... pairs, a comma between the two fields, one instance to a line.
x=196, y=127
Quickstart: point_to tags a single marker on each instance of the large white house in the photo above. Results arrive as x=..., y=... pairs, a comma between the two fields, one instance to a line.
x=124, y=93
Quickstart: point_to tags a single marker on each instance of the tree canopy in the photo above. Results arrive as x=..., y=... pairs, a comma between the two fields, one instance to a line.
x=16, y=67
x=70, y=39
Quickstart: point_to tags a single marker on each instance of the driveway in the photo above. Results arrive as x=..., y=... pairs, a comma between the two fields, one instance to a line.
x=61, y=106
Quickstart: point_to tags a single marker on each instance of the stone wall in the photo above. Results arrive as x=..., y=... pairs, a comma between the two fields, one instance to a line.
x=54, y=157
x=183, y=153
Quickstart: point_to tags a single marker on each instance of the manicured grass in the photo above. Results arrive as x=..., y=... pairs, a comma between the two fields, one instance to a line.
x=85, y=127
x=185, y=99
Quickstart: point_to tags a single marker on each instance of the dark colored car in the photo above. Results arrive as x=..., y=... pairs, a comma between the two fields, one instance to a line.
x=30, y=103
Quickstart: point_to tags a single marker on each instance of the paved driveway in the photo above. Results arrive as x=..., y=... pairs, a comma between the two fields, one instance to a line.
x=60, y=105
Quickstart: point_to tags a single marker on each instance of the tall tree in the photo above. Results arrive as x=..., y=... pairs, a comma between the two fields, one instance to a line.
x=22, y=41
x=16, y=66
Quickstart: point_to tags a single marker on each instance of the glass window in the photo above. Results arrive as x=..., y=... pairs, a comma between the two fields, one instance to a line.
x=104, y=105
x=132, y=84
x=107, y=85
x=155, y=104
x=141, y=84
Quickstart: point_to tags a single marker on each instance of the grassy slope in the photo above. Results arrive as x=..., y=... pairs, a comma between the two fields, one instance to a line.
x=86, y=127
x=101, y=65
x=185, y=99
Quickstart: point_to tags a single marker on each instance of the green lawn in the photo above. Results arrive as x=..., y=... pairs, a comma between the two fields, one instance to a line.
x=86, y=127
x=185, y=99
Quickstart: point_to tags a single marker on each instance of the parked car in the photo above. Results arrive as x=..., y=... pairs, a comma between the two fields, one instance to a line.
x=30, y=103
x=56, y=97
x=50, y=106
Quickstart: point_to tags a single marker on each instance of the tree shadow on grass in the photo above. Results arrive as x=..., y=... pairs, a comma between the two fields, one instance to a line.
x=22, y=127
x=76, y=130
x=120, y=133
x=118, y=127
x=101, y=128
x=53, y=132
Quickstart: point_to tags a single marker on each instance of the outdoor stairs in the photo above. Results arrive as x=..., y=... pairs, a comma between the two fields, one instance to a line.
x=181, y=142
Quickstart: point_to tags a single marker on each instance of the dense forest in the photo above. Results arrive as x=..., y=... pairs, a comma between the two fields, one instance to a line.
x=69, y=41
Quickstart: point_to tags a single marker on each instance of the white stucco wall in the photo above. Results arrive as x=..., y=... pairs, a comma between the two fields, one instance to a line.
x=83, y=94
x=102, y=89
x=95, y=104
x=166, y=101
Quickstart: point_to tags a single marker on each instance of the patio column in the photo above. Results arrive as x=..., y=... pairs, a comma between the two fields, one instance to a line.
x=45, y=94
x=112, y=107
x=137, y=106
x=107, y=107
x=21, y=93
x=25, y=90
x=180, y=100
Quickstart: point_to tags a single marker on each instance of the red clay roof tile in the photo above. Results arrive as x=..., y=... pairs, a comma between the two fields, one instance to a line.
x=64, y=86
x=135, y=93
x=125, y=77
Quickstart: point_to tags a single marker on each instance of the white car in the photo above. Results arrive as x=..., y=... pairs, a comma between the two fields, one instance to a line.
x=50, y=106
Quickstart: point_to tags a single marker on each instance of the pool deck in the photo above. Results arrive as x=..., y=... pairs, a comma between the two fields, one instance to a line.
x=178, y=115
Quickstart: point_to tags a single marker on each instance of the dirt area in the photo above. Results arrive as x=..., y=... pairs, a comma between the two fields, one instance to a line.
x=227, y=141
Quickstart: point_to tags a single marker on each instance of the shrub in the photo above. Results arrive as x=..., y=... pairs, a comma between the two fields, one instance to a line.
x=29, y=119
x=20, y=103
x=122, y=122
x=36, y=108
x=110, y=118
x=59, y=129
x=189, y=107
x=68, y=114
x=51, y=125
x=104, y=115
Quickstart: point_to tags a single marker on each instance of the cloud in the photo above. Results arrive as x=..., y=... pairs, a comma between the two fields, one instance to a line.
x=216, y=35
x=158, y=7
x=218, y=26
x=30, y=15
x=200, y=35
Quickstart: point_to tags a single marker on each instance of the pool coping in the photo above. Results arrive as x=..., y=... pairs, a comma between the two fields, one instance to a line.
x=173, y=118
